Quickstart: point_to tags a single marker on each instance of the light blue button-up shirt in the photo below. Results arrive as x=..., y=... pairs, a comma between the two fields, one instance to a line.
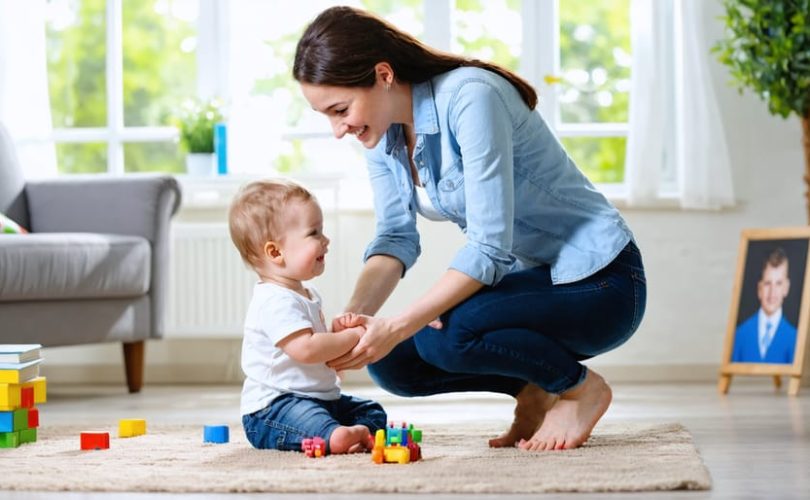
x=492, y=166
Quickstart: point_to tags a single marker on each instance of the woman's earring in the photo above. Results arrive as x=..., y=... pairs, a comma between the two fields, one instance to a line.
x=387, y=86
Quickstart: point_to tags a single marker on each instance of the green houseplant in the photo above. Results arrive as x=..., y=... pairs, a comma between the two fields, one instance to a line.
x=768, y=51
x=196, y=122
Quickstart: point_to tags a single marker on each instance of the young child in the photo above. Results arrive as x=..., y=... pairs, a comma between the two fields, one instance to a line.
x=289, y=393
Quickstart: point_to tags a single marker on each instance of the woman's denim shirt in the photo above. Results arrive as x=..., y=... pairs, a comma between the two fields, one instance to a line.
x=492, y=166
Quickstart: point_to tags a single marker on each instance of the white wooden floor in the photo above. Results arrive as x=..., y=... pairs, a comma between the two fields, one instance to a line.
x=755, y=441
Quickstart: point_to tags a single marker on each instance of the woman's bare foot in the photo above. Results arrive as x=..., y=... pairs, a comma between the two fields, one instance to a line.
x=532, y=405
x=570, y=421
x=354, y=439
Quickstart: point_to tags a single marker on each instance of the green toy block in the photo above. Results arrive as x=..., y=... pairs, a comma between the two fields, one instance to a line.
x=20, y=419
x=28, y=436
x=9, y=439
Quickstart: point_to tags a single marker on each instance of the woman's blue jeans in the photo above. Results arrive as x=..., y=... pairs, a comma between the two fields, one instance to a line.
x=523, y=330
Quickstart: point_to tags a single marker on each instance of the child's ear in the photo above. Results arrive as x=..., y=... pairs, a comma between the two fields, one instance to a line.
x=273, y=252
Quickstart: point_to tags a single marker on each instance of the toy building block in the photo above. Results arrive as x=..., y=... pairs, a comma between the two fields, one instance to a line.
x=28, y=436
x=215, y=434
x=40, y=389
x=13, y=420
x=397, y=445
x=314, y=447
x=33, y=418
x=9, y=397
x=131, y=427
x=27, y=397
x=95, y=440
x=9, y=439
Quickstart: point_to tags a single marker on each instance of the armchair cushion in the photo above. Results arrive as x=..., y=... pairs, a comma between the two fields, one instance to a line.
x=71, y=266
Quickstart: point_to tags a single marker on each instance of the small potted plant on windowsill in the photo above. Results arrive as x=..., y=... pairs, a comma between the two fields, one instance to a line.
x=196, y=123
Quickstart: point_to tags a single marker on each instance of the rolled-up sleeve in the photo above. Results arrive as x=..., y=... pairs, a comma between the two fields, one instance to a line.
x=395, y=233
x=482, y=127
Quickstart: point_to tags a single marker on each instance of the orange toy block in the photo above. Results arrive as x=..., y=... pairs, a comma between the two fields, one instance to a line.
x=131, y=427
x=95, y=440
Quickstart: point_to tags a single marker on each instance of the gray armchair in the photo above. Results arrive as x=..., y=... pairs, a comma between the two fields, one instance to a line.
x=94, y=267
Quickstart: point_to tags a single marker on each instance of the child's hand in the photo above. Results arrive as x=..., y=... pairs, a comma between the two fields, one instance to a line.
x=347, y=320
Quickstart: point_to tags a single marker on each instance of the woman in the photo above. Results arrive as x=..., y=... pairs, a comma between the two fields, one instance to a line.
x=549, y=275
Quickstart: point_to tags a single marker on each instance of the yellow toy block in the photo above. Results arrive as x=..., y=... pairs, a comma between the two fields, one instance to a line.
x=131, y=427
x=39, y=384
x=9, y=397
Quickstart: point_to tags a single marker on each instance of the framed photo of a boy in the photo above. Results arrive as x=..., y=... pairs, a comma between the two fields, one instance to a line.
x=770, y=307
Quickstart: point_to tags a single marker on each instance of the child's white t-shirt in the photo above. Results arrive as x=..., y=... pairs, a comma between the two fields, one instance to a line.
x=274, y=313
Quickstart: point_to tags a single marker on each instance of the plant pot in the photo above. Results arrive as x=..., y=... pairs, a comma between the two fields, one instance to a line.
x=201, y=164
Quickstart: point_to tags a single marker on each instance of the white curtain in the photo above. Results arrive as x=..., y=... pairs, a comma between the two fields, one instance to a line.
x=24, y=104
x=676, y=141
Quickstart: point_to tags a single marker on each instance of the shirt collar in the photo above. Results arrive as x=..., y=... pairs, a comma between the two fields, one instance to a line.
x=425, y=117
x=775, y=318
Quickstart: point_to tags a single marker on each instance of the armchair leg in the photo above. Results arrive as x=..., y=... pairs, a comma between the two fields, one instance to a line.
x=133, y=364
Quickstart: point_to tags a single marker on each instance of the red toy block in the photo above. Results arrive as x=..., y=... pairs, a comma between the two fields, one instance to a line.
x=27, y=397
x=95, y=440
x=33, y=418
x=314, y=447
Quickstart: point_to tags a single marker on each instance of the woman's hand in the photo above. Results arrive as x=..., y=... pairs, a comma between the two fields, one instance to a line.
x=380, y=339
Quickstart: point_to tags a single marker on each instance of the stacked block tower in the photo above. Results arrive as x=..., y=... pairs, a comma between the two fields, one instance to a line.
x=21, y=390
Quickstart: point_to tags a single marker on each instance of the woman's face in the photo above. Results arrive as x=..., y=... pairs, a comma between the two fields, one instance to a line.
x=360, y=111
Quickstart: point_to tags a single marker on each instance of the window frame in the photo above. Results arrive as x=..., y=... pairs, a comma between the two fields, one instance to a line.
x=540, y=57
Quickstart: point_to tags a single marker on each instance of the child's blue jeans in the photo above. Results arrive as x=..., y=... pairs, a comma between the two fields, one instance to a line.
x=524, y=329
x=290, y=418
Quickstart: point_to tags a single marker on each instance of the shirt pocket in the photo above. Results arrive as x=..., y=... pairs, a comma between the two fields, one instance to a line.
x=451, y=191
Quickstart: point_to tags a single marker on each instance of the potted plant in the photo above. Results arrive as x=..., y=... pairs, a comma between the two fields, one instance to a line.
x=768, y=51
x=196, y=123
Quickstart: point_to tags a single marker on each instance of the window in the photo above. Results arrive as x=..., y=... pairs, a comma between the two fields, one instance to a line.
x=116, y=72
x=118, y=69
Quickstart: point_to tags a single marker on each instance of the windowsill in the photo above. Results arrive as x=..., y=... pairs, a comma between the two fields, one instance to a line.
x=333, y=191
x=353, y=196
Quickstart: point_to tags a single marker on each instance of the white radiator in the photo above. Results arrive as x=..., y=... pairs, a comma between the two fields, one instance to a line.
x=209, y=286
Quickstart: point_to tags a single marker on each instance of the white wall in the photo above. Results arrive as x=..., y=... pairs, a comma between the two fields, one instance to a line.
x=690, y=259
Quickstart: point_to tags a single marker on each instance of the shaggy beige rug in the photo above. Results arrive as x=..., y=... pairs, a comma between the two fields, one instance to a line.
x=456, y=460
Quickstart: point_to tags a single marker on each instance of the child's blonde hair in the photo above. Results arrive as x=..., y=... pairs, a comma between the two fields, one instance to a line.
x=255, y=215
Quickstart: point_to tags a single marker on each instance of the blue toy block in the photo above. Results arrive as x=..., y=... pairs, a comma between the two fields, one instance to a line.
x=215, y=434
x=15, y=420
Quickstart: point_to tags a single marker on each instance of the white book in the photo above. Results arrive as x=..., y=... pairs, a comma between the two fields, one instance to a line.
x=19, y=353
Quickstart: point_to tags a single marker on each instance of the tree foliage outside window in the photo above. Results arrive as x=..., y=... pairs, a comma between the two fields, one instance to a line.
x=595, y=64
x=280, y=84
x=159, y=73
x=159, y=43
x=595, y=87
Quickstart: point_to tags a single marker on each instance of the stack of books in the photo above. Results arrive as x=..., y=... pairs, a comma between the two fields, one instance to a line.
x=21, y=389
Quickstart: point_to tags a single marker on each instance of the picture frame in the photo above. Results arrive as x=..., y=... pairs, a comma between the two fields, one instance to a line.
x=770, y=307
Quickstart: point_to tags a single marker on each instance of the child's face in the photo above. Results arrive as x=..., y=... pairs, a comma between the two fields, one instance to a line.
x=303, y=244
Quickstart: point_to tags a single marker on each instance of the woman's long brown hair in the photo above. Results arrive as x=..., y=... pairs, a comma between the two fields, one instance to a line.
x=342, y=46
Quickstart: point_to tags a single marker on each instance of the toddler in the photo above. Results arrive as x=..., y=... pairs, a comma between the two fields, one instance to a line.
x=289, y=393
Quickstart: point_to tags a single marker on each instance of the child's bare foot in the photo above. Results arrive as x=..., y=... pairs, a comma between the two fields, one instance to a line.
x=532, y=405
x=354, y=439
x=570, y=421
